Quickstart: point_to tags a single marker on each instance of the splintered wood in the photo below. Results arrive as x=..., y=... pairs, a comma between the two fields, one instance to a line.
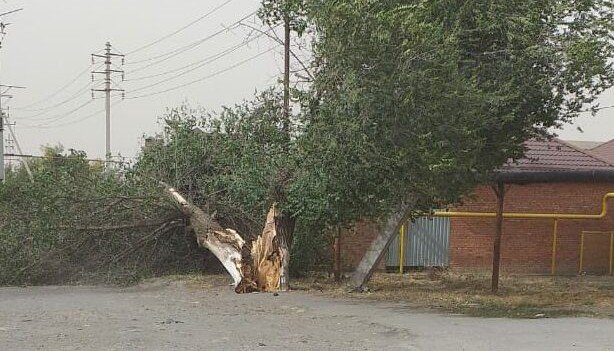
x=256, y=266
x=266, y=255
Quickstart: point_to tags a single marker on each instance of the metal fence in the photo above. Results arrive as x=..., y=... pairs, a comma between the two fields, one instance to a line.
x=427, y=244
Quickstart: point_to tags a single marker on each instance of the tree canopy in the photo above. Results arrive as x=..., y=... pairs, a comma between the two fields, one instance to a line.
x=424, y=99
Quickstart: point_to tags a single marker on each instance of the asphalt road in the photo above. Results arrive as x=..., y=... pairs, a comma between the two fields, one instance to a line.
x=168, y=315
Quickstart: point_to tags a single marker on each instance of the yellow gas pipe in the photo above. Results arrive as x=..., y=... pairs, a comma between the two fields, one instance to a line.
x=402, y=249
x=555, y=216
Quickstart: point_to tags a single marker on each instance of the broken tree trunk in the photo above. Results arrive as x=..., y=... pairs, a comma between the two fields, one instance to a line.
x=378, y=247
x=254, y=266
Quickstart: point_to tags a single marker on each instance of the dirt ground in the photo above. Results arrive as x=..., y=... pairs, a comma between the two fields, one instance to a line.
x=189, y=314
x=520, y=296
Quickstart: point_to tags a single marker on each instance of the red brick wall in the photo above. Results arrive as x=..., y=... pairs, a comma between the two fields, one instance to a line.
x=355, y=242
x=527, y=244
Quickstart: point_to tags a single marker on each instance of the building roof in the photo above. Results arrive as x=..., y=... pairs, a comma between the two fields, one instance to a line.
x=553, y=158
x=605, y=151
x=583, y=144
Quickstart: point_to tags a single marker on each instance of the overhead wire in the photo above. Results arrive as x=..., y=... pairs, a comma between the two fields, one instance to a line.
x=54, y=94
x=64, y=87
x=43, y=111
x=156, y=60
x=206, y=59
x=166, y=56
x=215, y=9
x=203, y=63
x=85, y=118
x=76, y=121
x=59, y=116
x=203, y=78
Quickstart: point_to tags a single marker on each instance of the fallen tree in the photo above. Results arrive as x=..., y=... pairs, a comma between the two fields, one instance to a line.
x=253, y=266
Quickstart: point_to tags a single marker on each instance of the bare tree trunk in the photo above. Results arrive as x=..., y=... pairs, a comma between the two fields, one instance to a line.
x=255, y=266
x=378, y=248
x=496, y=257
x=337, y=255
x=285, y=225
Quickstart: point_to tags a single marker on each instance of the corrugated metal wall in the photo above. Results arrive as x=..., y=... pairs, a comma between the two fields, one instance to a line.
x=427, y=244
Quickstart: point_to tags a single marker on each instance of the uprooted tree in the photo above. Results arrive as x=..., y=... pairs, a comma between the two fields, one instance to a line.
x=229, y=167
x=253, y=266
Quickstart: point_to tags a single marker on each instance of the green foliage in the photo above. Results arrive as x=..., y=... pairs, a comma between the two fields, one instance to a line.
x=413, y=101
x=226, y=162
x=235, y=164
x=421, y=100
x=78, y=221
x=273, y=12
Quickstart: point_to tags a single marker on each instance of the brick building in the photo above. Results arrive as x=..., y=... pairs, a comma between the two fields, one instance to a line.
x=555, y=177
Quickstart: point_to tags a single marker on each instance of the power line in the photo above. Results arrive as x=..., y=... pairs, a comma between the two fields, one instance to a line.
x=76, y=121
x=205, y=77
x=178, y=51
x=49, y=97
x=180, y=29
x=207, y=59
x=202, y=64
x=108, y=71
x=10, y=12
x=59, y=116
x=76, y=95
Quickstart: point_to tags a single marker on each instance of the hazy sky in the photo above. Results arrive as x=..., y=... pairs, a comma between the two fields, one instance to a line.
x=49, y=43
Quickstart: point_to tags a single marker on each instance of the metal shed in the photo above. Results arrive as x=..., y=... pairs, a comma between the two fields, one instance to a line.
x=427, y=244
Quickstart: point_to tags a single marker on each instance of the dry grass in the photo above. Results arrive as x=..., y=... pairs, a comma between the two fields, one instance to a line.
x=519, y=296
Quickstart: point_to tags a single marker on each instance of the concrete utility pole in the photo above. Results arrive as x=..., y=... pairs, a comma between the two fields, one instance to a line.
x=11, y=128
x=4, y=94
x=108, y=72
x=2, y=171
x=9, y=142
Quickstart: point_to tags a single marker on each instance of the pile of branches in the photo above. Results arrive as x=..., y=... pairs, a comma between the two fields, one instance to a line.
x=77, y=221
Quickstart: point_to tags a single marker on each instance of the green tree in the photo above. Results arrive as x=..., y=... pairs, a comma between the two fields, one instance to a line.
x=414, y=103
x=78, y=221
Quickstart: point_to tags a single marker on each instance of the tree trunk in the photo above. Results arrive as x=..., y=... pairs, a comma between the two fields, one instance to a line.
x=255, y=266
x=378, y=247
x=496, y=259
x=337, y=256
x=285, y=225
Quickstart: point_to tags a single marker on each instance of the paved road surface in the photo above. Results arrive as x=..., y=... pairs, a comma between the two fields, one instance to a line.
x=170, y=316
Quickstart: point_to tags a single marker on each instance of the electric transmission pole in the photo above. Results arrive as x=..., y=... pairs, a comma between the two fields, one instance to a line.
x=3, y=95
x=108, y=88
x=9, y=142
x=15, y=144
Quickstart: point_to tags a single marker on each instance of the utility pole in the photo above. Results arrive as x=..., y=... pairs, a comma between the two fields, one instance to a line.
x=3, y=26
x=3, y=95
x=2, y=171
x=108, y=73
x=9, y=146
x=286, y=120
x=15, y=144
